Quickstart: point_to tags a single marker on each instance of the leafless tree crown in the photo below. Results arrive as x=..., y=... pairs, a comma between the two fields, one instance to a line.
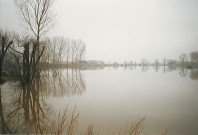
x=37, y=15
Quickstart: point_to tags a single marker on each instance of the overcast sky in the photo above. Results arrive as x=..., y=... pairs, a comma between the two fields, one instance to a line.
x=119, y=30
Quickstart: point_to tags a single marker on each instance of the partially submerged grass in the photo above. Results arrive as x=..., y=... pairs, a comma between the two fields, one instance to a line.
x=89, y=130
x=135, y=128
x=67, y=123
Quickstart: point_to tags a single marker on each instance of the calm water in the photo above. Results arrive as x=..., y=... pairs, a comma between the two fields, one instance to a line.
x=112, y=98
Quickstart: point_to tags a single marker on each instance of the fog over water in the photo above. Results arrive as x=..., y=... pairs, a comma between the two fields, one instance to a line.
x=119, y=30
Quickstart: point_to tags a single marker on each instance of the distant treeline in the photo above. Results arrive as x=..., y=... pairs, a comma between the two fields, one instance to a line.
x=187, y=61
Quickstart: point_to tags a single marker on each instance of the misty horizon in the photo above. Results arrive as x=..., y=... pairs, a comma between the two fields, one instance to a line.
x=122, y=30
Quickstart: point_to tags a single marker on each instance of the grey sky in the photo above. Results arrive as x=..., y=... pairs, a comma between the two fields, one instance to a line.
x=119, y=30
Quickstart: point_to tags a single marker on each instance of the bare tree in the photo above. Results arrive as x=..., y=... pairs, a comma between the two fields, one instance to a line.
x=47, y=54
x=157, y=63
x=68, y=50
x=54, y=49
x=164, y=61
x=17, y=58
x=5, y=43
x=73, y=50
x=194, y=58
x=183, y=59
x=61, y=48
x=144, y=62
x=82, y=49
x=37, y=16
x=78, y=48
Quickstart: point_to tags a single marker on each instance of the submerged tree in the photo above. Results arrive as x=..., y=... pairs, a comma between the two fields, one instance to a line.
x=38, y=17
x=29, y=63
x=5, y=43
x=27, y=47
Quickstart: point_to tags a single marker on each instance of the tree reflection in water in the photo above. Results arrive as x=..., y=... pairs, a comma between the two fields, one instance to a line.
x=28, y=111
x=194, y=74
x=183, y=72
x=4, y=127
x=60, y=83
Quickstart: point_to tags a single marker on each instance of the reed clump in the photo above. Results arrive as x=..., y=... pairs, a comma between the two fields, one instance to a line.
x=135, y=128
x=67, y=123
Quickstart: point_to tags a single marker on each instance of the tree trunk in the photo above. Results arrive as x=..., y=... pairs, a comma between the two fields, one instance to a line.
x=1, y=68
x=1, y=71
x=37, y=55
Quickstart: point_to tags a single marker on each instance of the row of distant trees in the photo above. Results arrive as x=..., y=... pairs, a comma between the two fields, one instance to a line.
x=184, y=60
x=67, y=50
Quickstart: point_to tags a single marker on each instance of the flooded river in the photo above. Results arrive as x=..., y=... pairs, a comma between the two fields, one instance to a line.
x=109, y=98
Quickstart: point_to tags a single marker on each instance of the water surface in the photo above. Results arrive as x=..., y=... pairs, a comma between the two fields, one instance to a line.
x=112, y=98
